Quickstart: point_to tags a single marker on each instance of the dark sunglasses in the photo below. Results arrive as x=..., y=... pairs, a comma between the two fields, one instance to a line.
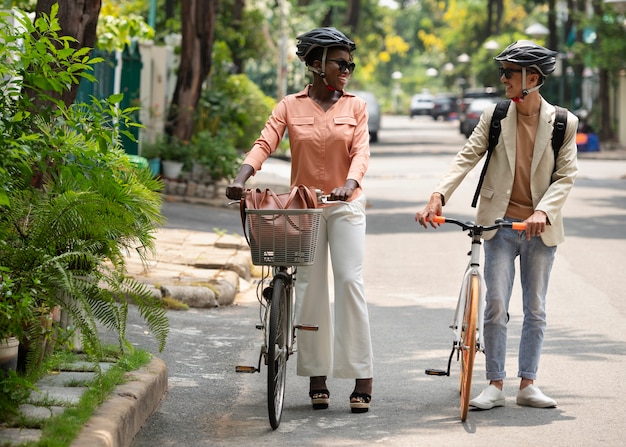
x=344, y=65
x=507, y=72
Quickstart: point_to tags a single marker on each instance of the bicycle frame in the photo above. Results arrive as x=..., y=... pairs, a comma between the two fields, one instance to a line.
x=473, y=269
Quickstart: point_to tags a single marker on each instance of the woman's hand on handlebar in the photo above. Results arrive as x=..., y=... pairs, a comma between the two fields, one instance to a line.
x=343, y=193
x=432, y=209
x=235, y=191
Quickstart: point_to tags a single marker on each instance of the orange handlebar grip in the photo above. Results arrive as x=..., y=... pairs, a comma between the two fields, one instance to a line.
x=439, y=219
x=520, y=226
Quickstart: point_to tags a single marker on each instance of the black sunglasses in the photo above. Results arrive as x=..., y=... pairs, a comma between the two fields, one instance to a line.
x=344, y=65
x=507, y=72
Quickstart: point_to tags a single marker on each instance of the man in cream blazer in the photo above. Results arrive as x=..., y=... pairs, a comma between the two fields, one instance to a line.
x=524, y=182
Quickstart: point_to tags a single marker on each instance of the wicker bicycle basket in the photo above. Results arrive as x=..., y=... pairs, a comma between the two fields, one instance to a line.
x=283, y=237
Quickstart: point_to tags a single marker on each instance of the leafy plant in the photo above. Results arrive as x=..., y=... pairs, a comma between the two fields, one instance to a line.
x=169, y=148
x=15, y=306
x=71, y=201
x=217, y=153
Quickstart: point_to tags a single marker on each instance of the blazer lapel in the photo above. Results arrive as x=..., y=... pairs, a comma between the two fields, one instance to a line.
x=509, y=135
x=543, y=139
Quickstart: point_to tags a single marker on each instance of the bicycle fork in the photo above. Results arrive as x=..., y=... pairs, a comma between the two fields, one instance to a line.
x=268, y=293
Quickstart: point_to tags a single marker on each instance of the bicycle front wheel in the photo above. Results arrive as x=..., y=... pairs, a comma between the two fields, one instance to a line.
x=278, y=349
x=468, y=349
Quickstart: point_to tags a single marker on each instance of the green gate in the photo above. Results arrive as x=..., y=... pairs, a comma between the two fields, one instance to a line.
x=103, y=87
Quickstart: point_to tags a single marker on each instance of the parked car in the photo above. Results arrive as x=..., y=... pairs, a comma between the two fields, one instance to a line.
x=421, y=104
x=473, y=112
x=471, y=94
x=373, y=110
x=444, y=106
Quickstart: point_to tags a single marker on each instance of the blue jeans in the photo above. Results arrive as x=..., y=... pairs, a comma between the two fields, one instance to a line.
x=536, y=261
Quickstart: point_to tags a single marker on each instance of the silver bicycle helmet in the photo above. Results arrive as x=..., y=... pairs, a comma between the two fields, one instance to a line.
x=322, y=37
x=526, y=53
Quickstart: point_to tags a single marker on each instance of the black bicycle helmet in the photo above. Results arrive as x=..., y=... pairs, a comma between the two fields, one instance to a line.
x=322, y=37
x=526, y=53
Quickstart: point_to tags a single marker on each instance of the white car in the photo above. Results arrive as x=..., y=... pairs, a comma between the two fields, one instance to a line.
x=421, y=104
x=373, y=110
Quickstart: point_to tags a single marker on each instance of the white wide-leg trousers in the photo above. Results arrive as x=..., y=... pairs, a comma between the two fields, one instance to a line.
x=342, y=346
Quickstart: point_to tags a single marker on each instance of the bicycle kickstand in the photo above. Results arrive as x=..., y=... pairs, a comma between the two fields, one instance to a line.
x=250, y=369
x=441, y=372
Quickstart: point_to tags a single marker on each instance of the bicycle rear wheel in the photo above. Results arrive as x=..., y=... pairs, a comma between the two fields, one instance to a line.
x=278, y=349
x=468, y=337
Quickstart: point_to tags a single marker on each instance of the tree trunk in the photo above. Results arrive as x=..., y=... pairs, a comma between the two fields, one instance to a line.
x=79, y=19
x=198, y=26
x=238, y=7
x=352, y=14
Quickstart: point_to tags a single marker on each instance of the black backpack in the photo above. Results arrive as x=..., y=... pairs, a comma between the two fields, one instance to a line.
x=502, y=107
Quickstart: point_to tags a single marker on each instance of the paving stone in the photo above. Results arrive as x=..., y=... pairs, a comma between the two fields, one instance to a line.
x=68, y=378
x=57, y=394
x=16, y=436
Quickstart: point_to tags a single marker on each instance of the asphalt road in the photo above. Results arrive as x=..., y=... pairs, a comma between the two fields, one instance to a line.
x=412, y=277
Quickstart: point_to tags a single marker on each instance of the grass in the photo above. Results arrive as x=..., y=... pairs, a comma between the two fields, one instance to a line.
x=172, y=303
x=62, y=429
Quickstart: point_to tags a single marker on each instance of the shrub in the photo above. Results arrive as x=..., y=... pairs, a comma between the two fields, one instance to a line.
x=71, y=201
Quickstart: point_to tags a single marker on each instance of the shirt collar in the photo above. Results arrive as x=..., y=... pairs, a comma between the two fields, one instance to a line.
x=305, y=92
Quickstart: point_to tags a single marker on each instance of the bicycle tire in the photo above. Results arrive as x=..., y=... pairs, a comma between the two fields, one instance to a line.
x=468, y=337
x=277, y=349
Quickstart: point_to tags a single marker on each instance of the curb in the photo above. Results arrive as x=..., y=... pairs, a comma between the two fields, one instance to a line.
x=116, y=422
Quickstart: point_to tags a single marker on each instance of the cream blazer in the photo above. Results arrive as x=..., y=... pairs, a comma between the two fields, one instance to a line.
x=549, y=189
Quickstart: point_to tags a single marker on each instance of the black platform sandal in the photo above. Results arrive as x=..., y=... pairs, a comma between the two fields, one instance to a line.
x=320, y=399
x=362, y=404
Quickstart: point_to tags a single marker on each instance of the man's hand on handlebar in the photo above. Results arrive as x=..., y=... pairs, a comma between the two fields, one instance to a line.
x=432, y=209
x=536, y=224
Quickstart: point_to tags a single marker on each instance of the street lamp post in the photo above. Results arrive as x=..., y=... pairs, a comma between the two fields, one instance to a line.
x=396, y=76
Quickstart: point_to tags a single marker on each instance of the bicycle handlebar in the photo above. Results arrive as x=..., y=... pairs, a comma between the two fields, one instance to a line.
x=500, y=223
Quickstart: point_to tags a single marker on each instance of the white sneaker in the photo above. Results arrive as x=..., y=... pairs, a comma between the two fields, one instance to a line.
x=492, y=396
x=531, y=396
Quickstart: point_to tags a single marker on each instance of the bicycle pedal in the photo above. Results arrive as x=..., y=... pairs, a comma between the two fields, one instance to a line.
x=307, y=327
x=259, y=326
x=436, y=372
x=246, y=369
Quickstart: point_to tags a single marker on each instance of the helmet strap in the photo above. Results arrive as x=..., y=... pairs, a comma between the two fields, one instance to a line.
x=323, y=73
x=526, y=91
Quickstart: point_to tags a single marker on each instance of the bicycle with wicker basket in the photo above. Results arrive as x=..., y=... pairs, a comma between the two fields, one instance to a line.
x=280, y=241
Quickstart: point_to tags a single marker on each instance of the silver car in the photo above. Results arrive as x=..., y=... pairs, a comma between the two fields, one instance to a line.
x=473, y=112
x=373, y=110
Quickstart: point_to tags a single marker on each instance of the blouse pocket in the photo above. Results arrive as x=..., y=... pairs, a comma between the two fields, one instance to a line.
x=344, y=128
x=302, y=128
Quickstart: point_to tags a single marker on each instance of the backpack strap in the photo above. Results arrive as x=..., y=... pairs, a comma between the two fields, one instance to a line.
x=499, y=113
x=558, y=133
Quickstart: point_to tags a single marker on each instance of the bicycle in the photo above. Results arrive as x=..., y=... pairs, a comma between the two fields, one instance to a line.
x=467, y=325
x=280, y=241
